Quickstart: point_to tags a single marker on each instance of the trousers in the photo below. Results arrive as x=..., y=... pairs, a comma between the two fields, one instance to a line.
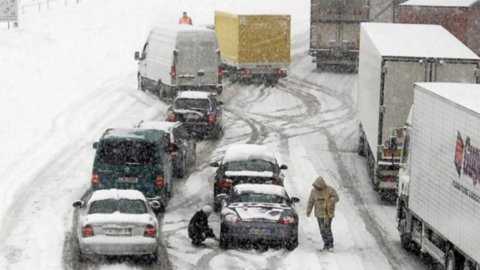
x=325, y=225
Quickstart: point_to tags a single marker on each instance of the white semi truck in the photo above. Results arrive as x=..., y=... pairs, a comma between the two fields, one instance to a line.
x=439, y=187
x=392, y=58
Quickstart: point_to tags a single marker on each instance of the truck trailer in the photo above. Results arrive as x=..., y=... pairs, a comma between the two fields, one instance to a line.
x=460, y=17
x=392, y=58
x=438, y=206
x=253, y=48
x=335, y=31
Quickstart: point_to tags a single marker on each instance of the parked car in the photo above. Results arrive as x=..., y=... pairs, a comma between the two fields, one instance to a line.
x=259, y=213
x=182, y=146
x=117, y=222
x=179, y=57
x=134, y=158
x=245, y=163
x=200, y=112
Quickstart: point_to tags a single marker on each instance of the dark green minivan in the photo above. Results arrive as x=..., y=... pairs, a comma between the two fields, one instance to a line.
x=134, y=159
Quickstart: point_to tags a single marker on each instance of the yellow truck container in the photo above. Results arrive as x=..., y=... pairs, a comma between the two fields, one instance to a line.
x=253, y=48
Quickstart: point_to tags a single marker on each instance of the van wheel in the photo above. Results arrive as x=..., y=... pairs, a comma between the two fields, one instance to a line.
x=453, y=261
x=141, y=87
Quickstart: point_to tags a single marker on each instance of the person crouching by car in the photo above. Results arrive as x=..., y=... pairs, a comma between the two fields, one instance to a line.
x=198, y=229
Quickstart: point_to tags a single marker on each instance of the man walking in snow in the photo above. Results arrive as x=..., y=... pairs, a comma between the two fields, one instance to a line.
x=198, y=229
x=324, y=198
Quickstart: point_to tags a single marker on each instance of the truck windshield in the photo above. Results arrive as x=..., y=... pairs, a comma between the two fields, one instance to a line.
x=128, y=152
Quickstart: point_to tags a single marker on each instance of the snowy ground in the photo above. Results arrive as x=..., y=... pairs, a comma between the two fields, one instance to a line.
x=69, y=73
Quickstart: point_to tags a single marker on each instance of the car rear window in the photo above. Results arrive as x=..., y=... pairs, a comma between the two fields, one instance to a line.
x=256, y=165
x=192, y=104
x=257, y=198
x=123, y=206
x=132, y=152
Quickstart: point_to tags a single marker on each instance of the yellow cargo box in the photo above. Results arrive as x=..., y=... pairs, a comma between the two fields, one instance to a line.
x=253, y=40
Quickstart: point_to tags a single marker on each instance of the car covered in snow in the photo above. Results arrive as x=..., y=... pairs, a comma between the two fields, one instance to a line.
x=116, y=222
x=200, y=112
x=258, y=214
x=181, y=145
x=134, y=158
x=246, y=163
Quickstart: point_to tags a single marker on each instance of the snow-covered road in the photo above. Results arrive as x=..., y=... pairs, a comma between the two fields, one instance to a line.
x=71, y=74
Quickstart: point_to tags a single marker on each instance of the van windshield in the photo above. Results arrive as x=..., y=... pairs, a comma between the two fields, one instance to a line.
x=128, y=152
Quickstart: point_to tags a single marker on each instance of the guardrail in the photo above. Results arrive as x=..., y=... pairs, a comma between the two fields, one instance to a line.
x=45, y=4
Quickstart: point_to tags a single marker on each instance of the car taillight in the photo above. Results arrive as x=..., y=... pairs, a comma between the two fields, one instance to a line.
x=286, y=220
x=388, y=178
x=150, y=231
x=171, y=117
x=246, y=71
x=160, y=181
x=212, y=118
x=281, y=72
x=173, y=73
x=225, y=183
x=95, y=178
x=87, y=231
x=220, y=74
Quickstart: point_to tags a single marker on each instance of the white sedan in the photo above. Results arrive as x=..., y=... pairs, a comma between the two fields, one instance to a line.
x=117, y=222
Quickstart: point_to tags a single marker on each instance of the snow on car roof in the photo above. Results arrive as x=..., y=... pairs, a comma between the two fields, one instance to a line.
x=194, y=94
x=416, y=40
x=247, y=152
x=441, y=3
x=117, y=194
x=261, y=188
x=464, y=94
x=160, y=125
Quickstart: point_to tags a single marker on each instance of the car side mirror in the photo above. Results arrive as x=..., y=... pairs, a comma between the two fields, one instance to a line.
x=78, y=204
x=155, y=205
x=95, y=145
x=172, y=147
x=295, y=199
x=137, y=56
x=221, y=197
x=220, y=102
x=175, y=52
x=214, y=164
x=283, y=167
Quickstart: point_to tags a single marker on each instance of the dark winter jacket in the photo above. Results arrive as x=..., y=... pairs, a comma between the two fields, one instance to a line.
x=324, y=198
x=198, y=227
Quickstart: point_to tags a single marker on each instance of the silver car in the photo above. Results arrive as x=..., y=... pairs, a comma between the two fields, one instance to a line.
x=117, y=222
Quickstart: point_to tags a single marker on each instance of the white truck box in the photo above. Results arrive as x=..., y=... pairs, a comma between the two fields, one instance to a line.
x=392, y=58
x=444, y=169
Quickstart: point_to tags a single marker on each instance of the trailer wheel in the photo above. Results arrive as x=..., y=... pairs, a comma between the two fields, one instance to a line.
x=405, y=237
x=453, y=261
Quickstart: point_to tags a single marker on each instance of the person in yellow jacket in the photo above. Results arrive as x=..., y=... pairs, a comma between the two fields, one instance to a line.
x=324, y=198
x=185, y=19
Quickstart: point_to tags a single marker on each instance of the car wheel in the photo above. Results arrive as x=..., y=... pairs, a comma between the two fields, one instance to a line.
x=224, y=242
x=82, y=257
x=292, y=244
x=180, y=172
x=141, y=87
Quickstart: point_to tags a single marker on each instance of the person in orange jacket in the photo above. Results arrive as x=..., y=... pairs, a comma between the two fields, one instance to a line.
x=185, y=19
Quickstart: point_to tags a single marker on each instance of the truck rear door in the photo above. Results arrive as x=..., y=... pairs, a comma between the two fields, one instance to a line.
x=398, y=77
x=454, y=71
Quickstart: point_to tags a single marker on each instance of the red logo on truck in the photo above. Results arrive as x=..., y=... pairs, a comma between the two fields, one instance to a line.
x=470, y=156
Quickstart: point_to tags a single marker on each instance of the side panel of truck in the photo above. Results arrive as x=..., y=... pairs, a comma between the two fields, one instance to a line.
x=227, y=31
x=445, y=142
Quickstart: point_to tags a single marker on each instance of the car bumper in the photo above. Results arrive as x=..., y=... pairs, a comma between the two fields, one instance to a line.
x=107, y=245
x=261, y=232
x=199, y=128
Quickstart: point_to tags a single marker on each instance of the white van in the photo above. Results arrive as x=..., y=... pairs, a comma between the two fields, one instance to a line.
x=179, y=57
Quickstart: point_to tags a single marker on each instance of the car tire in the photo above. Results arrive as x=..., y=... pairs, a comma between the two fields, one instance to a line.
x=292, y=244
x=180, y=172
x=224, y=242
x=82, y=257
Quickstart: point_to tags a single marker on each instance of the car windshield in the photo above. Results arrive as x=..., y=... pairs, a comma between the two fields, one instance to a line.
x=192, y=104
x=253, y=197
x=123, y=152
x=125, y=206
x=256, y=165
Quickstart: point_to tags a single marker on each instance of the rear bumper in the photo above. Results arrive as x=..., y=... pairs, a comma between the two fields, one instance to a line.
x=267, y=232
x=216, y=88
x=200, y=128
x=108, y=245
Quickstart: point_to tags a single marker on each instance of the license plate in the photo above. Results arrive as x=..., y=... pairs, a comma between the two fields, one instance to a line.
x=127, y=180
x=259, y=231
x=192, y=117
x=118, y=231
